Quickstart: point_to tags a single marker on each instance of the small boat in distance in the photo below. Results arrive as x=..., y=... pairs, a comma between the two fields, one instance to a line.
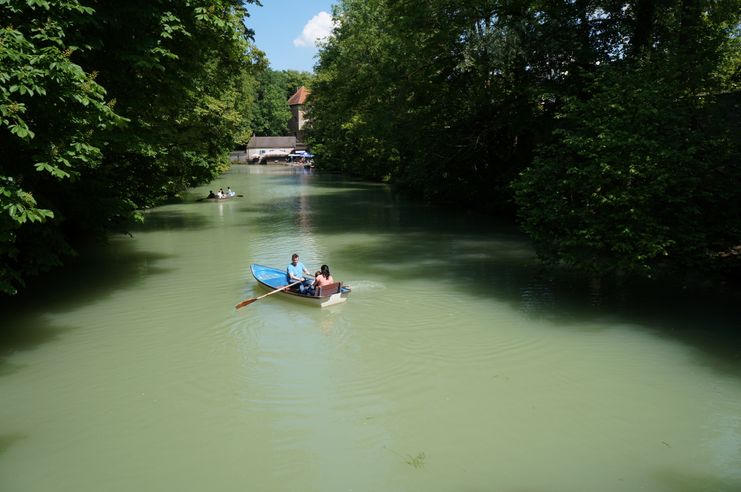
x=275, y=278
x=217, y=199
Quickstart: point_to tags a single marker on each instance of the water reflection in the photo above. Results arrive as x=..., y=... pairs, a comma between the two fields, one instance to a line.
x=303, y=212
x=536, y=297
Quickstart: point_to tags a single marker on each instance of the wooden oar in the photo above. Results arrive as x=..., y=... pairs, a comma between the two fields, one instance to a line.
x=253, y=299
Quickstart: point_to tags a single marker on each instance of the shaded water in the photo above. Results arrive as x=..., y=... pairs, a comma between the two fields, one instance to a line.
x=454, y=366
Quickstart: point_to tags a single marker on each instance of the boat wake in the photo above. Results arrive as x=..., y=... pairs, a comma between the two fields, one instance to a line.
x=364, y=285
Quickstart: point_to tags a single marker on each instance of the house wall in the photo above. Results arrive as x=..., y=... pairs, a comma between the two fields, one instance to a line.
x=296, y=125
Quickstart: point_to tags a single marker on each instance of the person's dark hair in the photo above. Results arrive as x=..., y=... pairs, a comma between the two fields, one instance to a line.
x=294, y=256
x=325, y=271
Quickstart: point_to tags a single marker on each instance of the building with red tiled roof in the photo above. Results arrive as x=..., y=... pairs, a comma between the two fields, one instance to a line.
x=298, y=120
x=299, y=97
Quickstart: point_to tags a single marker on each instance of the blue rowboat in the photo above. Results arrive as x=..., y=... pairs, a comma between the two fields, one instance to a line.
x=275, y=278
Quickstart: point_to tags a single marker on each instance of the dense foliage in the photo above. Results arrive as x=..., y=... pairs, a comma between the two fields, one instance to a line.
x=108, y=107
x=271, y=114
x=608, y=127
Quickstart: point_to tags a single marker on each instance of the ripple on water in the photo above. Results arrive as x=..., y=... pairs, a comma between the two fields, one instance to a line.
x=365, y=285
x=440, y=329
x=280, y=348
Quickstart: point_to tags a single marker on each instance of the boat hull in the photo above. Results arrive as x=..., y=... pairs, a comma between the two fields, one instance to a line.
x=271, y=278
x=222, y=199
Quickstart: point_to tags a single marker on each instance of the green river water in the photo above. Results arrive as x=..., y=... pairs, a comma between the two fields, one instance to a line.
x=454, y=366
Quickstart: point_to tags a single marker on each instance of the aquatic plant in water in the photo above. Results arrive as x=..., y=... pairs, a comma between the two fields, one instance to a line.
x=417, y=461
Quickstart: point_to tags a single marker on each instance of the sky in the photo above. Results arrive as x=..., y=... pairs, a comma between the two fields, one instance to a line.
x=286, y=30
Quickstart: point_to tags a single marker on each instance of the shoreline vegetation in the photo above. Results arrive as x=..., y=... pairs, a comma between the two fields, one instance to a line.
x=608, y=131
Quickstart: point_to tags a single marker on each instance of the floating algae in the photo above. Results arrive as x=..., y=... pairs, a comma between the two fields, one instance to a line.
x=417, y=461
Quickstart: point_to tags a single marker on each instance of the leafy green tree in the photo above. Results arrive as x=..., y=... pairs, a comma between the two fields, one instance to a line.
x=641, y=179
x=53, y=116
x=641, y=173
x=353, y=104
x=271, y=112
x=444, y=98
x=602, y=107
x=291, y=80
x=176, y=71
x=109, y=107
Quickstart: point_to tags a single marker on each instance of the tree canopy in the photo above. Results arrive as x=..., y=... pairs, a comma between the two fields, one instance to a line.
x=606, y=127
x=271, y=113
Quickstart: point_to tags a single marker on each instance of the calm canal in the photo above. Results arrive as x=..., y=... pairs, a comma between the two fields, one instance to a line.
x=455, y=365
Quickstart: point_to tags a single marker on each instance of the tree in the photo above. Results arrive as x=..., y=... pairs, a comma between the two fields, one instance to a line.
x=107, y=108
x=291, y=80
x=639, y=177
x=271, y=111
x=54, y=114
x=578, y=115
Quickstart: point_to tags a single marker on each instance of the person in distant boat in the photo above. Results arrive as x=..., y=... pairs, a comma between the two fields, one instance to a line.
x=211, y=194
x=295, y=272
x=229, y=192
x=221, y=193
x=323, y=277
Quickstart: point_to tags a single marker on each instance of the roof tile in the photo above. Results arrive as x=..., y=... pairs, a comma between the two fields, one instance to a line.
x=299, y=97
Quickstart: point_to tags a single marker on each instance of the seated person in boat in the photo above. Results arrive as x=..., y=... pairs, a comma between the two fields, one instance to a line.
x=211, y=194
x=229, y=192
x=323, y=277
x=295, y=272
x=312, y=288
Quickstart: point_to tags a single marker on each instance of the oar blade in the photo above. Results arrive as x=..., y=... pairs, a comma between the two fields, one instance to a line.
x=246, y=302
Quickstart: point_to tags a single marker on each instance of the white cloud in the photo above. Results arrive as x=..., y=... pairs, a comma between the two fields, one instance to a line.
x=318, y=28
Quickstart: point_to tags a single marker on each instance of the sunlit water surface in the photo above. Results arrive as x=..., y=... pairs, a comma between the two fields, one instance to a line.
x=454, y=366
